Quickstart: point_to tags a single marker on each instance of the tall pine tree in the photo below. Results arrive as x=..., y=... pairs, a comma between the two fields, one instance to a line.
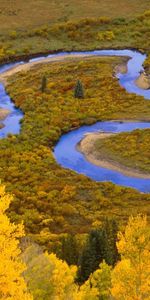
x=92, y=254
x=100, y=245
x=110, y=229
x=44, y=84
x=79, y=90
x=69, y=251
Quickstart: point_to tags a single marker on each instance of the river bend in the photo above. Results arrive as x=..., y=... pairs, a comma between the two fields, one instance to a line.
x=65, y=151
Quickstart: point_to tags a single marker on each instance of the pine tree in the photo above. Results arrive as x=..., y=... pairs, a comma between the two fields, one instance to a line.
x=92, y=254
x=69, y=251
x=79, y=90
x=110, y=229
x=44, y=84
x=101, y=245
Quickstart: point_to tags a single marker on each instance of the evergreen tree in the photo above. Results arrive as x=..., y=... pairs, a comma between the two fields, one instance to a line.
x=100, y=245
x=92, y=254
x=44, y=84
x=79, y=90
x=110, y=231
x=69, y=251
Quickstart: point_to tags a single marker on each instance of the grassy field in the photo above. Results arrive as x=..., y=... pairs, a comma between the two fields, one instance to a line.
x=19, y=14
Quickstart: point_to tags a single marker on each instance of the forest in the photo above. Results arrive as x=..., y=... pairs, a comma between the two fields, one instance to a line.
x=47, y=277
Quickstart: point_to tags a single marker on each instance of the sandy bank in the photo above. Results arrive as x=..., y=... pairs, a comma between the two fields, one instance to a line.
x=86, y=147
x=143, y=81
x=4, y=113
x=27, y=66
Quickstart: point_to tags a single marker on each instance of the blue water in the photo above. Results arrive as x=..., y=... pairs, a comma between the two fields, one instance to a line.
x=65, y=150
x=68, y=157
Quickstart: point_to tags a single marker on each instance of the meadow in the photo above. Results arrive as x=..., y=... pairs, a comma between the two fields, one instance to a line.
x=16, y=14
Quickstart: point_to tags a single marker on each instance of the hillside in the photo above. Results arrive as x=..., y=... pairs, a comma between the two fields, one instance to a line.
x=16, y=14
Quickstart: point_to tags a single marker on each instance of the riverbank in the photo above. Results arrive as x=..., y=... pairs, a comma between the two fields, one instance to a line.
x=25, y=67
x=86, y=147
x=143, y=81
x=4, y=113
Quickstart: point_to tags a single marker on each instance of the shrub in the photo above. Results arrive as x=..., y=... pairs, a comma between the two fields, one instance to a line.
x=105, y=35
x=13, y=35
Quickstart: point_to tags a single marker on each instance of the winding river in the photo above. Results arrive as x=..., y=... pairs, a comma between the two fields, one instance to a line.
x=65, y=151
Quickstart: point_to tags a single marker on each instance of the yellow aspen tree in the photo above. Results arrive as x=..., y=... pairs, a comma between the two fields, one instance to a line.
x=62, y=279
x=50, y=278
x=12, y=284
x=97, y=286
x=85, y=292
x=131, y=276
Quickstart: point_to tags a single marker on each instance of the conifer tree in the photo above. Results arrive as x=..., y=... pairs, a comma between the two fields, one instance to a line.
x=110, y=229
x=92, y=254
x=44, y=84
x=101, y=245
x=69, y=251
x=79, y=90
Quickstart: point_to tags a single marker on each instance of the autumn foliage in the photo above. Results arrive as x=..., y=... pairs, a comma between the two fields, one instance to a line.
x=50, y=278
x=131, y=276
x=27, y=163
x=12, y=284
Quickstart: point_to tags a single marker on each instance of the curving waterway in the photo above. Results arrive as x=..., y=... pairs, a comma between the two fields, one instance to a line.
x=65, y=150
